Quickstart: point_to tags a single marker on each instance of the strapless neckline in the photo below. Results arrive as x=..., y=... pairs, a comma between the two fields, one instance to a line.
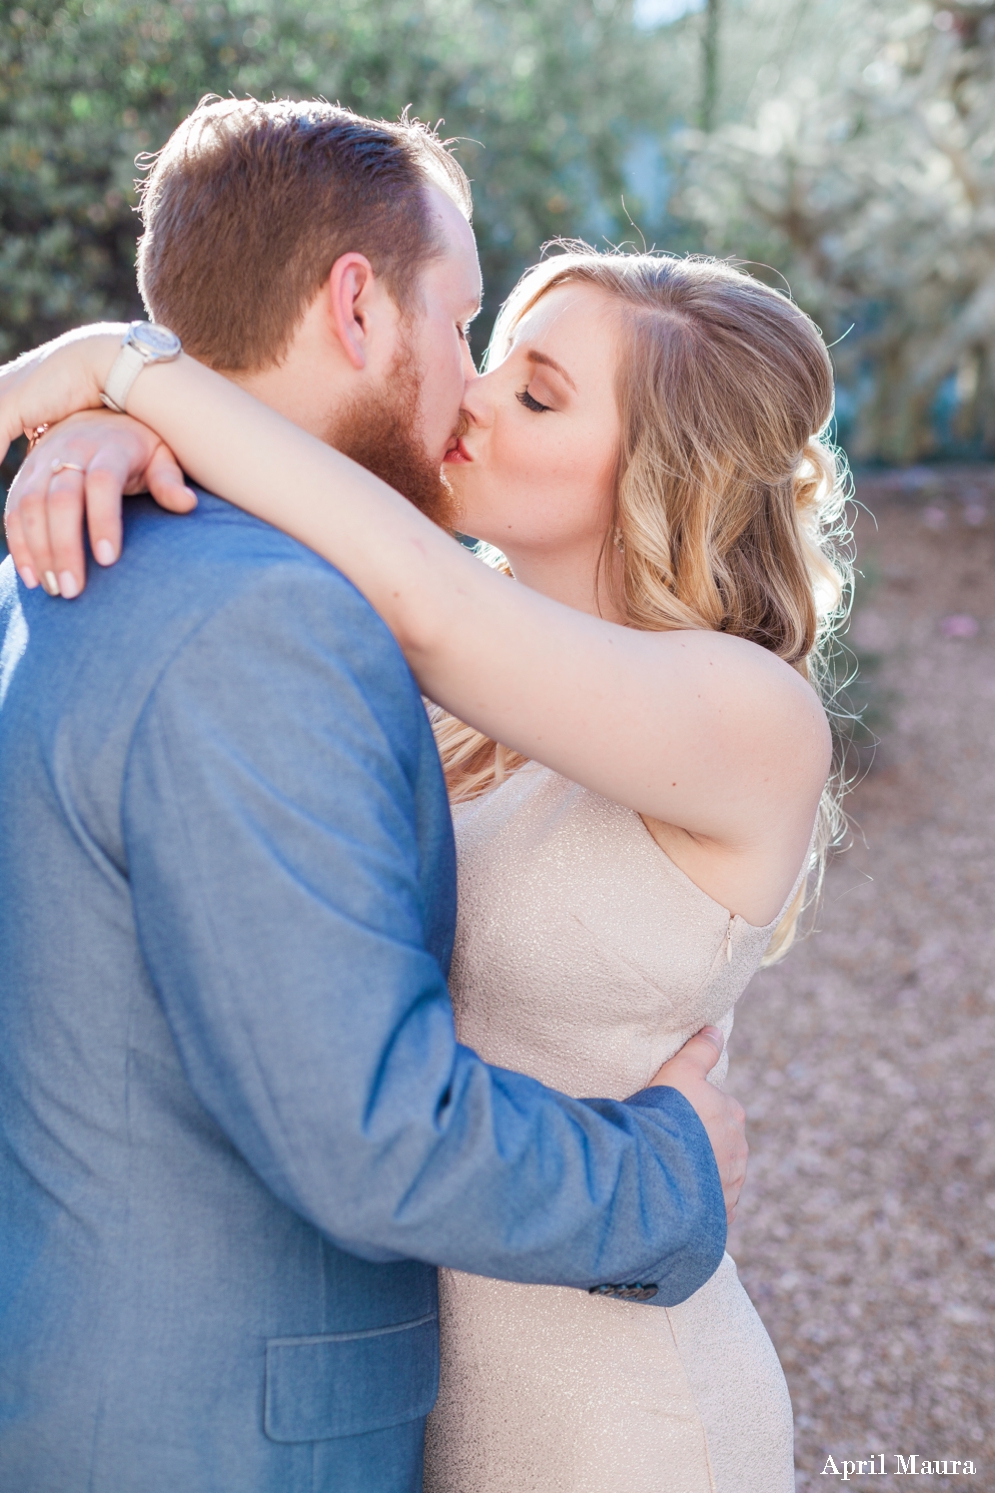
x=676, y=870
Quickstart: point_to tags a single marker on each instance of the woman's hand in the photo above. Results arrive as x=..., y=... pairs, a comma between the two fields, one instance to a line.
x=80, y=470
x=56, y=380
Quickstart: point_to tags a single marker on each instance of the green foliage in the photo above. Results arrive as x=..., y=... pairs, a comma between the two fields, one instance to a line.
x=544, y=94
x=552, y=90
x=852, y=152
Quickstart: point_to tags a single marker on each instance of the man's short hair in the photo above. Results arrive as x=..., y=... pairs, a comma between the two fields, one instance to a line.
x=248, y=206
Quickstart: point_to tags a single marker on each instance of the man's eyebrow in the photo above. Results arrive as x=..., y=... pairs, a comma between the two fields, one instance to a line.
x=548, y=362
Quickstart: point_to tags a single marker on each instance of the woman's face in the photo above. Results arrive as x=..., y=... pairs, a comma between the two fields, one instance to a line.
x=535, y=468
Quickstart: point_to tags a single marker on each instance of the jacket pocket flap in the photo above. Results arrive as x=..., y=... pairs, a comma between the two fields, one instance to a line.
x=347, y=1383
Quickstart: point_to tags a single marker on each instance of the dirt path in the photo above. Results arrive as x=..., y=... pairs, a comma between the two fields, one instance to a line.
x=867, y=1060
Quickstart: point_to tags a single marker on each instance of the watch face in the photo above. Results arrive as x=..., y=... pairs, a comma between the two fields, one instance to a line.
x=158, y=341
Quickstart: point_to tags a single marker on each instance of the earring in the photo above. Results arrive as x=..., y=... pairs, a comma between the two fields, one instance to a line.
x=619, y=541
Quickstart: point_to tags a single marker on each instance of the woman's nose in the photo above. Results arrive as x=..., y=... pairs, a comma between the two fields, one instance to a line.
x=478, y=404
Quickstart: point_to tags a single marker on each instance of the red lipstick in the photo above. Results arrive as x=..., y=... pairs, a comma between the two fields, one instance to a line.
x=457, y=452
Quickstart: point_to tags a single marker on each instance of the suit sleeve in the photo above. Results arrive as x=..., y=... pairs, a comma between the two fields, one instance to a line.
x=270, y=828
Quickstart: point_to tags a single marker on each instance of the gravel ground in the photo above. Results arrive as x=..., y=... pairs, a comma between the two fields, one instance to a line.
x=865, y=1061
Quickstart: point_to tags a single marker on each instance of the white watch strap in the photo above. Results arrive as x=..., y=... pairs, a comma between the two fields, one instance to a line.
x=125, y=369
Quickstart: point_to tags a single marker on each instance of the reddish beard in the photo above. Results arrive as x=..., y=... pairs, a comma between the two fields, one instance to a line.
x=380, y=432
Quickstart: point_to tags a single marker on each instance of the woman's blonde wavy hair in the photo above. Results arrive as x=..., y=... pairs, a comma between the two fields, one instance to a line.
x=729, y=501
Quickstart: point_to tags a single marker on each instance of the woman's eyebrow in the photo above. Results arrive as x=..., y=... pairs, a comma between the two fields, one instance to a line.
x=548, y=362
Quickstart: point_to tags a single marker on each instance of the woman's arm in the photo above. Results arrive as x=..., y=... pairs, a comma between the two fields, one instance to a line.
x=696, y=729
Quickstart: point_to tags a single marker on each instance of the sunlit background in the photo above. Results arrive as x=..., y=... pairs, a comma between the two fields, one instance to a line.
x=848, y=146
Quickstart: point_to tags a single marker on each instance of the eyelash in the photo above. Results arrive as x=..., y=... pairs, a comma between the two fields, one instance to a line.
x=527, y=400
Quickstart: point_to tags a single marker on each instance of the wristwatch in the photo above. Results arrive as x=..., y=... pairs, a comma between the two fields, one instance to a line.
x=144, y=342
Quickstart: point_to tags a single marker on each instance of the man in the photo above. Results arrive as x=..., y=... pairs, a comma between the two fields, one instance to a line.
x=236, y=1130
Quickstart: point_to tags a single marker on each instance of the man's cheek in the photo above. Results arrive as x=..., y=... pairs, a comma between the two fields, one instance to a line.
x=441, y=408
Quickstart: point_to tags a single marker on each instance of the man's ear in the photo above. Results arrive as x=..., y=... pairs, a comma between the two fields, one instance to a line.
x=350, y=290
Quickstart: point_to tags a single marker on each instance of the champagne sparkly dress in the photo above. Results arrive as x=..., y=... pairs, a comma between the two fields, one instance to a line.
x=586, y=958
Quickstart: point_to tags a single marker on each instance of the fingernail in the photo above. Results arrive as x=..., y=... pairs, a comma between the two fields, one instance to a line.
x=28, y=577
x=105, y=552
x=67, y=584
x=50, y=583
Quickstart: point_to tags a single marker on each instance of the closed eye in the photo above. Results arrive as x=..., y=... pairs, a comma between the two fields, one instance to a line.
x=532, y=404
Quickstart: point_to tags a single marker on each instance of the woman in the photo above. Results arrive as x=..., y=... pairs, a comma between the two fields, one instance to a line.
x=637, y=760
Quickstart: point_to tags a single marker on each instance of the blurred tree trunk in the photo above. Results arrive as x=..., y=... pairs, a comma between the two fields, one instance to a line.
x=873, y=190
x=710, y=65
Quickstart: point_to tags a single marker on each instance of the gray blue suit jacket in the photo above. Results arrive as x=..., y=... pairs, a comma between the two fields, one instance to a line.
x=236, y=1130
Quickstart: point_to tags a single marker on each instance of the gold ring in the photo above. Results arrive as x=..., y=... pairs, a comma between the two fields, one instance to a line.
x=67, y=466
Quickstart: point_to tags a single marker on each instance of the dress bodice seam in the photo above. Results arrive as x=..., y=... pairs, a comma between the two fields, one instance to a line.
x=734, y=918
